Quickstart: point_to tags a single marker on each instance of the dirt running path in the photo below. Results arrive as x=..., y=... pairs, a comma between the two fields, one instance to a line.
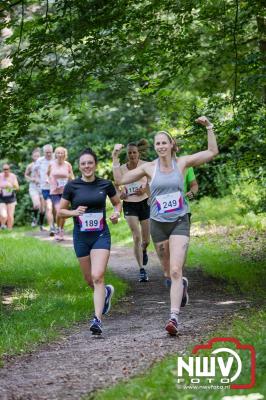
x=134, y=337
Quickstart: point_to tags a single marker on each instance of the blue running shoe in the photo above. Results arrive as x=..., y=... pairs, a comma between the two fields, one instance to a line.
x=109, y=291
x=96, y=326
x=143, y=277
x=184, y=301
x=145, y=258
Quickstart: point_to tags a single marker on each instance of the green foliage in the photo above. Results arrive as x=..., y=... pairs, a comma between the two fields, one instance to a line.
x=84, y=73
x=66, y=51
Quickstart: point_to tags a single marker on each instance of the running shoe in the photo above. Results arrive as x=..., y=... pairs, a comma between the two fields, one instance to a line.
x=52, y=231
x=61, y=234
x=184, y=301
x=145, y=258
x=167, y=283
x=171, y=327
x=143, y=277
x=109, y=291
x=56, y=236
x=96, y=326
x=34, y=223
x=42, y=228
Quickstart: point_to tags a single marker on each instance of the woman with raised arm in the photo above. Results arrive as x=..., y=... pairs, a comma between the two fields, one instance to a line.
x=91, y=237
x=135, y=207
x=169, y=221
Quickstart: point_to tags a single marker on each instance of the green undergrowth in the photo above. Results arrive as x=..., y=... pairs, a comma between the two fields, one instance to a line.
x=226, y=211
x=42, y=291
x=160, y=383
x=239, y=264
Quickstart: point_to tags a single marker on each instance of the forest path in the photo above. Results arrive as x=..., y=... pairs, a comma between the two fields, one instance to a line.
x=134, y=336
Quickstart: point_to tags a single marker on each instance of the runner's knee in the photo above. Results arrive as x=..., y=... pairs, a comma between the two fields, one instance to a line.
x=97, y=278
x=136, y=238
x=88, y=279
x=176, y=273
x=145, y=244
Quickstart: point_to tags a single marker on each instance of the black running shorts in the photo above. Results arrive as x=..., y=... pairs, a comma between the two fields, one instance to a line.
x=139, y=209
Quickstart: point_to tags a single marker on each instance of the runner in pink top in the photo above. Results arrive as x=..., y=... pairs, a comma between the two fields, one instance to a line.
x=59, y=172
x=8, y=186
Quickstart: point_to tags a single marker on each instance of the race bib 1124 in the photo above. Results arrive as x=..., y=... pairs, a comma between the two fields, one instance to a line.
x=91, y=222
x=132, y=187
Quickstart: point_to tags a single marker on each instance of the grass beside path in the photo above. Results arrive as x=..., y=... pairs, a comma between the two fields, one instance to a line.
x=42, y=290
x=160, y=383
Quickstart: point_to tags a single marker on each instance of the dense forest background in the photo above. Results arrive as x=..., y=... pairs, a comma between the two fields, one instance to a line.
x=96, y=72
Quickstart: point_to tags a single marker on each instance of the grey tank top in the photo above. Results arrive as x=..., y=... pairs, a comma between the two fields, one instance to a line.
x=167, y=194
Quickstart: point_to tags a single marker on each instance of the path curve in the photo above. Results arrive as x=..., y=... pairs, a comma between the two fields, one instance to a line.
x=134, y=336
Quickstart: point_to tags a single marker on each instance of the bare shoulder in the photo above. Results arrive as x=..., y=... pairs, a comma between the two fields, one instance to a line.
x=148, y=167
x=181, y=162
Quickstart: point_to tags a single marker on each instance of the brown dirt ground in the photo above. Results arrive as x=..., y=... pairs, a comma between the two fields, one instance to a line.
x=134, y=337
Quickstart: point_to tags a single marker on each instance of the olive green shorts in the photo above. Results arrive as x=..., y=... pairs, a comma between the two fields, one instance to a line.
x=161, y=231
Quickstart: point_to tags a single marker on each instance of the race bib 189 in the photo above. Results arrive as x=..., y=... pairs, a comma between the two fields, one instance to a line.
x=61, y=183
x=91, y=222
x=132, y=187
x=167, y=203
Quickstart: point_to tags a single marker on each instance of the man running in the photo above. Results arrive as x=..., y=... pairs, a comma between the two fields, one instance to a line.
x=42, y=165
x=32, y=177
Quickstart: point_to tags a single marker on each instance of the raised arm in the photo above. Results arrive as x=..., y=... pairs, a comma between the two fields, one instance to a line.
x=130, y=176
x=203, y=156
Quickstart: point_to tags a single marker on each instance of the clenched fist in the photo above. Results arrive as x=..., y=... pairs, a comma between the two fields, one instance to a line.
x=118, y=147
x=203, y=121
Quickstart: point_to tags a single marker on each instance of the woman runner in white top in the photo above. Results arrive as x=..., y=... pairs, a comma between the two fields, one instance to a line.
x=169, y=218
